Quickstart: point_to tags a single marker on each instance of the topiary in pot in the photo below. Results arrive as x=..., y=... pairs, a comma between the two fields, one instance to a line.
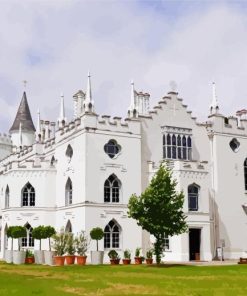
x=127, y=257
x=97, y=256
x=17, y=233
x=81, y=244
x=38, y=233
x=29, y=257
x=114, y=257
x=49, y=231
x=9, y=253
x=70, y=249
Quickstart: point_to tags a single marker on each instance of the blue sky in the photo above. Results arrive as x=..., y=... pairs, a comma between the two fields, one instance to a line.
x=53, y=44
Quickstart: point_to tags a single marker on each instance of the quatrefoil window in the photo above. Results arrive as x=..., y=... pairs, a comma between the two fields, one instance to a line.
x=112, y=148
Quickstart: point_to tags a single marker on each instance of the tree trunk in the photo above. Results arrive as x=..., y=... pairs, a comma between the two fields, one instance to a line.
x=97, y=245
x=40, y=244
x=49, y=244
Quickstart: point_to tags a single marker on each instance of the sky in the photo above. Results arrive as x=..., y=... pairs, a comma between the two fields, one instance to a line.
x=54, y=43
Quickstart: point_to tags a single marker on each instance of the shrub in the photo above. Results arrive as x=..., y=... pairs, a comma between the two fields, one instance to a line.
x=127, y=254
x=59, y=242
x=137, y=252
x=70, y=244
x=113, y=255
x=149, y=254
x=29, y=253
x=10, y=235
x=97, y=234
x=81, y=244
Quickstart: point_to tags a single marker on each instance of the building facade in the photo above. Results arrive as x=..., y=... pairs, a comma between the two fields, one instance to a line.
x=80, y=174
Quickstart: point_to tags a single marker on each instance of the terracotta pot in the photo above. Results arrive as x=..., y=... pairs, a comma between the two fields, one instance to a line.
x=126, y=261
x=81, y=260
x=29, y=260
x=70, y=259
x=138, y=260
x=149, y=260
x=115, y=261
x=59, y=260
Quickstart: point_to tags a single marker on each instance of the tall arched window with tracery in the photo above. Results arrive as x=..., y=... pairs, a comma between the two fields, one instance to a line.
x=7, y=197
x=28, y=241
x=193, y=197
x=177, y=145
x=112, y=189
x=28, y=196
x=112, y=235
x=68, y=192
x=245, y=174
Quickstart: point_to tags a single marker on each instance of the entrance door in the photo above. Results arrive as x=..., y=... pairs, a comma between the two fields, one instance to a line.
x=194, y=243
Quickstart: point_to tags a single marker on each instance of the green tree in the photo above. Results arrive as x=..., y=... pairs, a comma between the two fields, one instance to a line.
x=18, y=232
x=39, y=234
x=97, y=234
x=159, y=209
x=49, y=231
x=10, y=235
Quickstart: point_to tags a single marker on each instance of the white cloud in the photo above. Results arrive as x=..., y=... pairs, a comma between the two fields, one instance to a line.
x=53, y=45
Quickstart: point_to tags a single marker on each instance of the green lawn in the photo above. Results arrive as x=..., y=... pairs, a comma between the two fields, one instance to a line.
x=123, y=280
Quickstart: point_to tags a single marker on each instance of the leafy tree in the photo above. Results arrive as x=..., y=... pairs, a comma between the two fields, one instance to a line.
x=159, y=209
x=9, y=234
x=18, y=232
x=39, y=234
x=49, y=231
x=97, y=234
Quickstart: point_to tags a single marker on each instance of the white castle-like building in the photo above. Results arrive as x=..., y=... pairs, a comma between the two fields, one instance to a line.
x=80, y=174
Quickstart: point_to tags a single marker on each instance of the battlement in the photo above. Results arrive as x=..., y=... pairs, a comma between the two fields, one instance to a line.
x=228, y=125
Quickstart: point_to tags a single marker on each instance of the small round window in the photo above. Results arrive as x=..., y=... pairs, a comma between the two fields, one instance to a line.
x=234, y=144
x=112, y=148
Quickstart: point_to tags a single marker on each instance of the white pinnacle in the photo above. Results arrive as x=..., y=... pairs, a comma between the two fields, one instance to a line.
x=89, y=91
x=62, y=111
x=132, y=97
x=214, y=105
x=38, y=129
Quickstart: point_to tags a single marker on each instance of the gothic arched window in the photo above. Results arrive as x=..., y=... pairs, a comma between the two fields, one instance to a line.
x=7, y=197
x=245, y=174
x=68, y=227
x=68, y=192
x=28, y=196
x=193, y=197
x=112, y=235
x=69, y=152
x=28, y=241
x=112, y=189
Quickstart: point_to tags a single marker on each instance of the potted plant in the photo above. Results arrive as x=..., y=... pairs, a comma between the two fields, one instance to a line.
x=114, y=258
x=29, y=257
x=59, y=245
x=39, y=234
x=49, y=231
x=81, y=244
x=127, y=256
x=149, y=256
x=19, y=256
x=70, y=249
x=97, y=256
x=138, y=257
x=9, y=253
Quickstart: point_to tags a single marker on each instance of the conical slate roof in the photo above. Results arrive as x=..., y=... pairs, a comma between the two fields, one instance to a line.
x=24, y=117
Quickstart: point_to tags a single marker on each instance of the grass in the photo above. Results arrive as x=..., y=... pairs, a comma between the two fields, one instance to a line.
x=123, y=280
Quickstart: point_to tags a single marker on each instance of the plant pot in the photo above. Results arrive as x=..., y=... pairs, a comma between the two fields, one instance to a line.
x=9, y=256
x=49, y=257
x=39, y=257
x=149, y=261
x=126, y=261
x=19, y=257
x=114, y=261
x=59, y=260
x=70, y=259
x=29, y=260
x=97, y=257
x=138, y=260
x=81, y=260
